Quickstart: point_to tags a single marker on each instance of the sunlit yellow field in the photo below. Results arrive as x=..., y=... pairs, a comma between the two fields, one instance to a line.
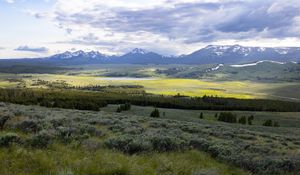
x=159, y=85
x=167, y=86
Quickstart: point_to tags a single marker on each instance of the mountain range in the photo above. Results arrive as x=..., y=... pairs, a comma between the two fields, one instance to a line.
x=211, y=54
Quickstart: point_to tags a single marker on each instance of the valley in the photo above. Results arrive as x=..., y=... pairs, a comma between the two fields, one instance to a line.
x=150, y=119
x=153, y=87
x=259, y=81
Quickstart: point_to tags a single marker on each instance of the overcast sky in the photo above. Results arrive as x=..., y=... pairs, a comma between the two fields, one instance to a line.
x=33, y=28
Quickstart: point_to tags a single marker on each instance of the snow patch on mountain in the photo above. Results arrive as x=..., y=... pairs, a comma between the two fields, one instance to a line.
x=215, y=68
x=139, y=51
x=256, y=63
x=283, y=51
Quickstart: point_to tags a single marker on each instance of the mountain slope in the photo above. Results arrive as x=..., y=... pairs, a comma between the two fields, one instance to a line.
x=141, y=56
x=239, y=54
x=267, y=71
x=212, y=54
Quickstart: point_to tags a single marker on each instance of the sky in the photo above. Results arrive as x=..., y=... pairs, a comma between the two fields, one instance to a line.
x=38, y=28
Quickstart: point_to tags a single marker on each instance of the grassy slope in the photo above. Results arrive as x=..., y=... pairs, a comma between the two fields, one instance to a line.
x=268, y=150
x=285, y=119
x=91, y=157
x=66, y=160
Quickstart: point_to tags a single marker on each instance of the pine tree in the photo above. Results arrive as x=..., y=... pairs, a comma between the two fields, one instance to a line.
x=216, y=115
x=155, y=113
x=268, y=123
x=242, y=120
x=201, y=115
x=119, y=110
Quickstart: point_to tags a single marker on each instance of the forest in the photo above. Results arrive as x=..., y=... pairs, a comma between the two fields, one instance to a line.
x=74, y=99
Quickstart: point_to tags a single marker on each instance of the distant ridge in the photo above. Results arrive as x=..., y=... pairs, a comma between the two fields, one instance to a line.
x=211, y=54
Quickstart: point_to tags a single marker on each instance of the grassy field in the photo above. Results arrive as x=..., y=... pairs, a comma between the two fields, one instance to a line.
x=65, y=160
x=285, y=119
x=264, y=81
x=166, y=86
x=39, y=140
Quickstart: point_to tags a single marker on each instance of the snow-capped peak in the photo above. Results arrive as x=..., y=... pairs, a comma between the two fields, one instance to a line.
x=221, y=49
x=79, y=53
x=139, y=51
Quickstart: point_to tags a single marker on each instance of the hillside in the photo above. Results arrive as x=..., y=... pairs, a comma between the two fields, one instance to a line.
x=266, y=71
x=129, y=144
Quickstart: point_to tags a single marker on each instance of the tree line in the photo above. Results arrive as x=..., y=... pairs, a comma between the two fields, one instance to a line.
x=85, y=100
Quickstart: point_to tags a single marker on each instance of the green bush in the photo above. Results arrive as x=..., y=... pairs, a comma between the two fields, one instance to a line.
x=3, y=120
x=28, y=126
x=128, y=144
x=40, y=140
x=167, y=143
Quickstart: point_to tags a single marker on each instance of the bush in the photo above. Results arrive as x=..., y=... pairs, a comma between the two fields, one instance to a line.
x=128, y=144
x=220, y=151
x=9, y=138
x=3, y=120
x=28, y=126
x=199, y=143
x=40, y=140
x=167, y=143
x=65, y=134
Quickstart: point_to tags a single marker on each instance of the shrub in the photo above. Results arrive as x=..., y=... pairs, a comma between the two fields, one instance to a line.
x=128, y=144
x=199, y=143
x=155, y=113
x=28, y=126
x=65, y=134
x=220, y=151
x=40, y=140
x=3, y=120
x=87, y=129
x=9, y=138
x=167, y=143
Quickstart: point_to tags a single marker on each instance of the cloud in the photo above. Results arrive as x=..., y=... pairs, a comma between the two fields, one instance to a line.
x=10, y=1
x=2, y=48
x=205, y=20
x=32, y=49
x=172, y=24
